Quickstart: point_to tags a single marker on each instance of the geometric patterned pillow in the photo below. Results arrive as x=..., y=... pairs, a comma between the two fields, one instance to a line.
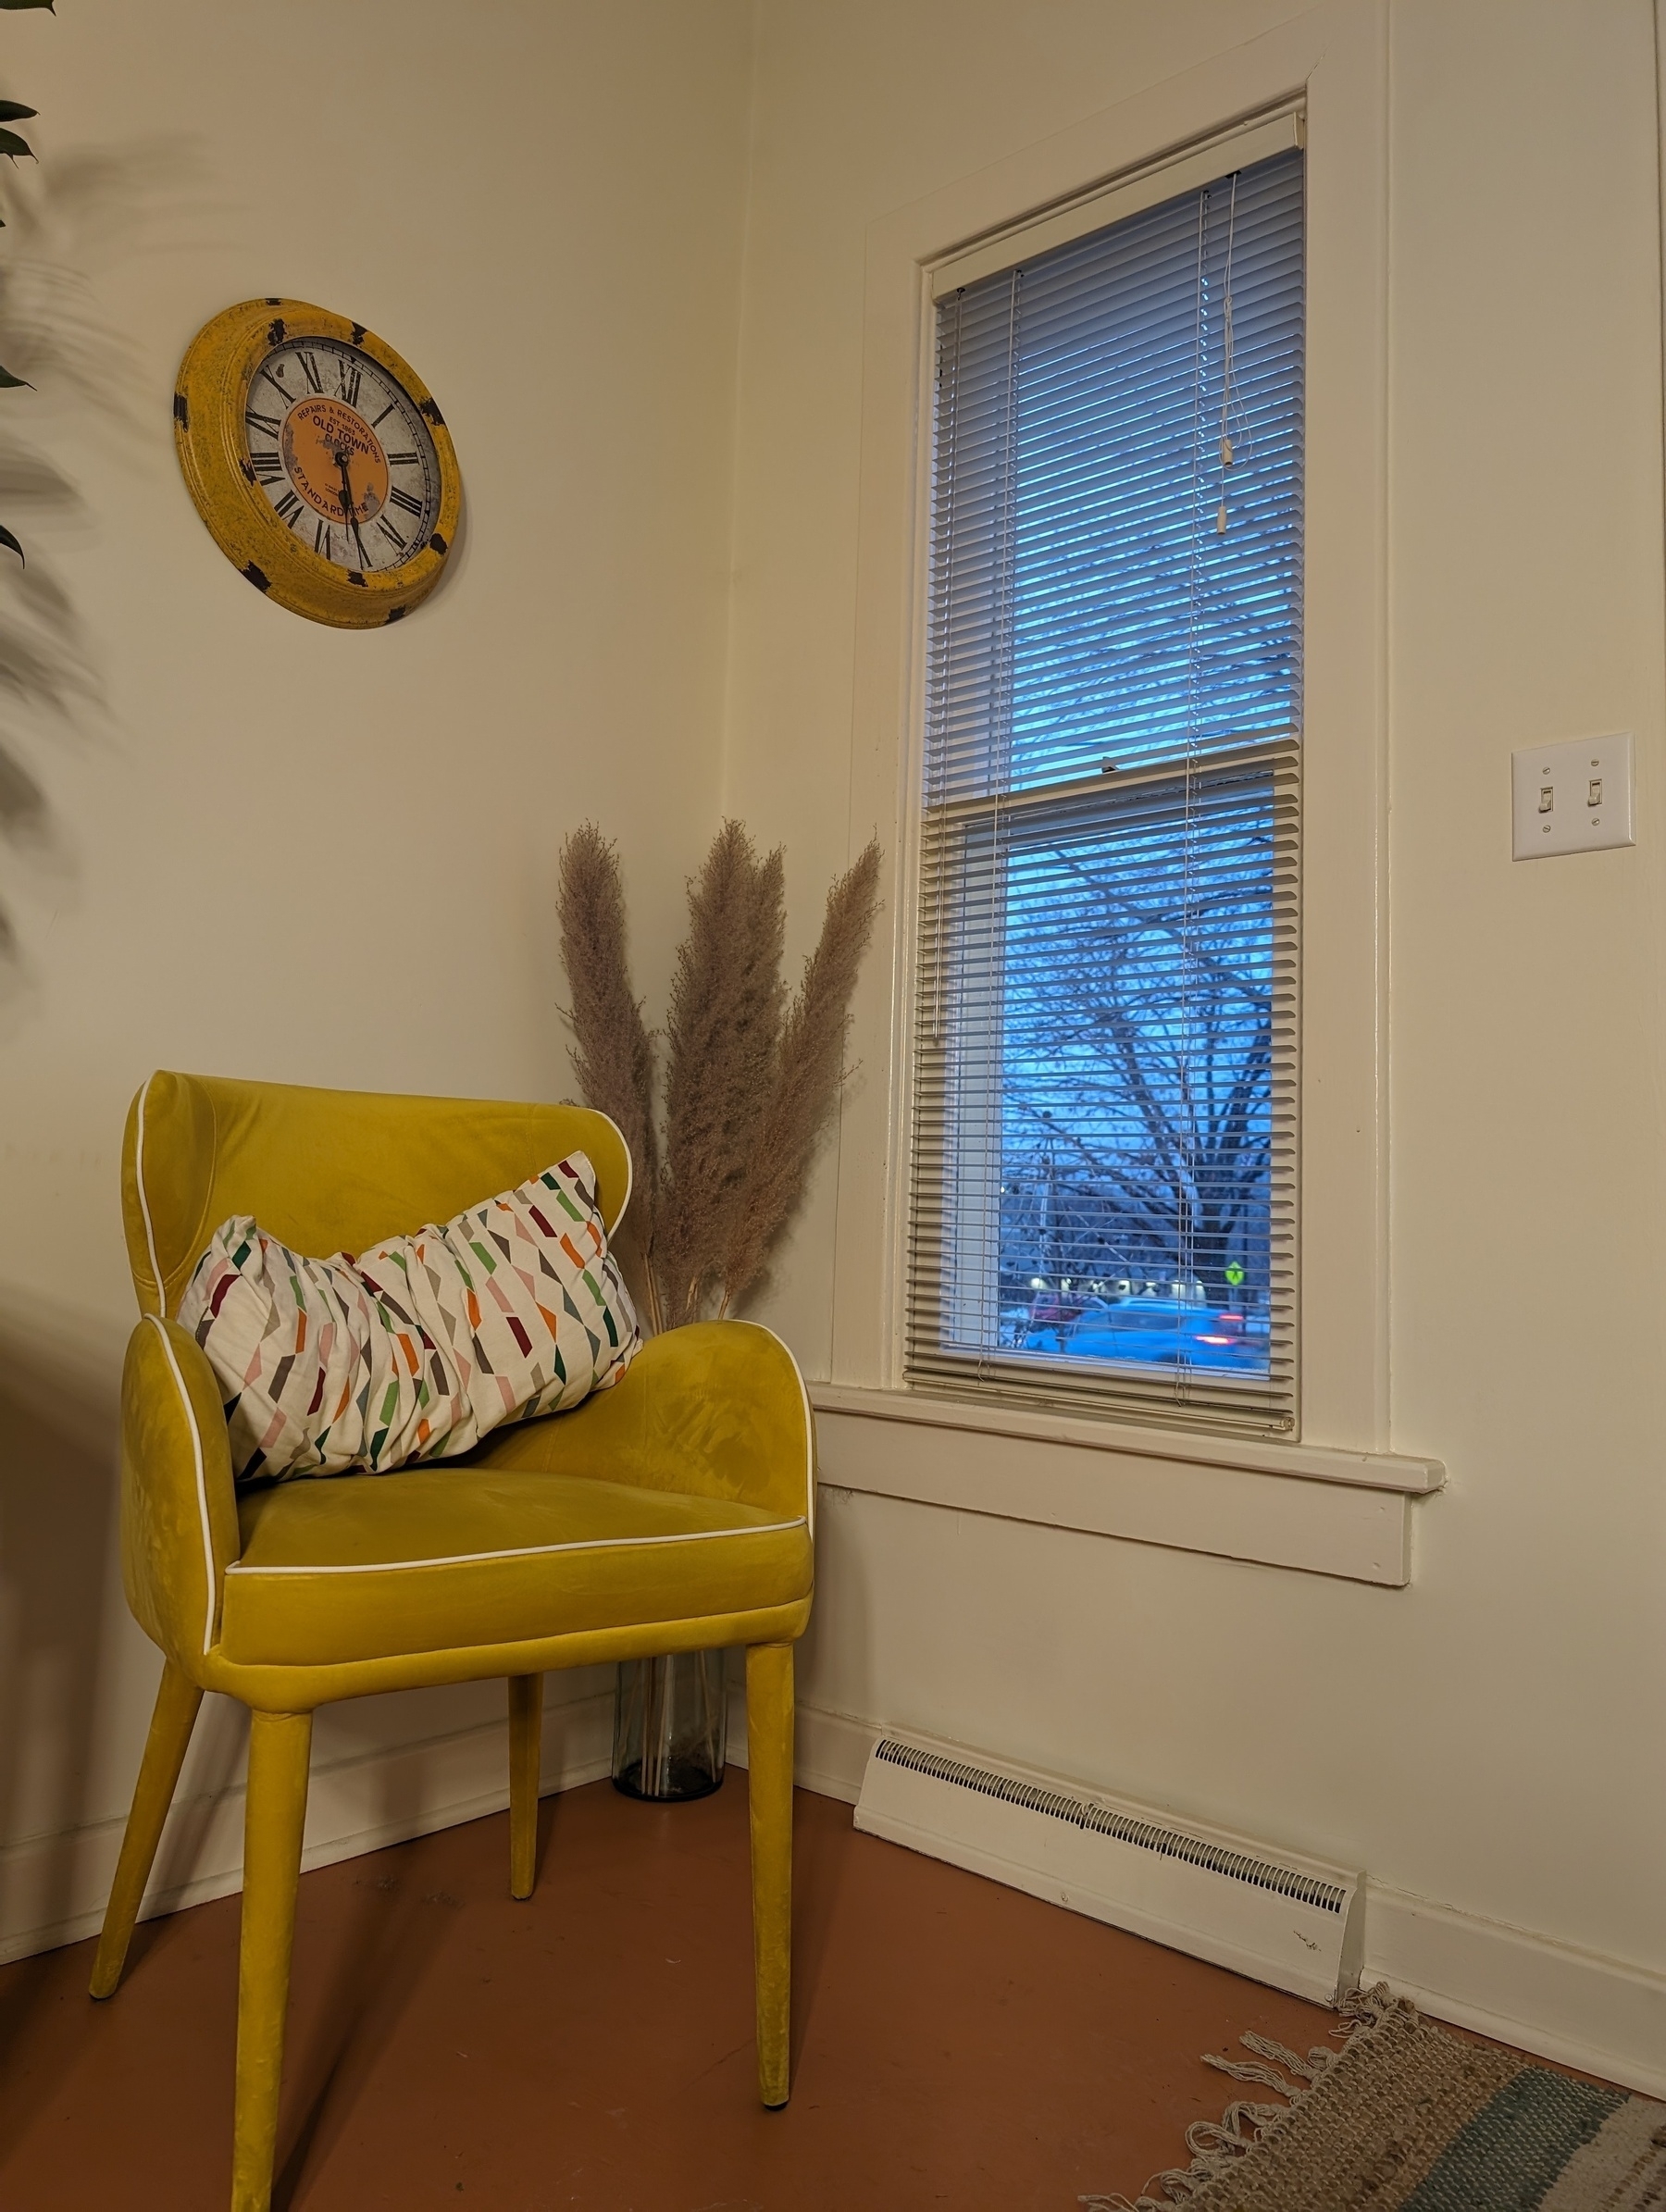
x=417, y=1350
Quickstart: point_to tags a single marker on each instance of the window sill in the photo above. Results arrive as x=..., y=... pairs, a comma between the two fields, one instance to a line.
x=1309, y=1506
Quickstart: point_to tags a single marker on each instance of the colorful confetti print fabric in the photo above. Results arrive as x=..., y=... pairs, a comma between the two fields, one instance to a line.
x=417, y=1350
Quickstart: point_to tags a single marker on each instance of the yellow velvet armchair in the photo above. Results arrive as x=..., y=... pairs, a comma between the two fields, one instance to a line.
x=672, y=1512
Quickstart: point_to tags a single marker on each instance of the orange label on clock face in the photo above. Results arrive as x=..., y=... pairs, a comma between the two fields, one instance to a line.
x=335, y=461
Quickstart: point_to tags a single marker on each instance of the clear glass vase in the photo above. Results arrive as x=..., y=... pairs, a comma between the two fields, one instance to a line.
x=670, y=1726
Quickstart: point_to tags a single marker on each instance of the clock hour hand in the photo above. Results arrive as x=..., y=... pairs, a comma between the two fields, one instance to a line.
x=350, y=506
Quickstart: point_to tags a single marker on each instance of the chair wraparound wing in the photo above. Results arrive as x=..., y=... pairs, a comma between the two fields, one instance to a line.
x=687, y=1489
x=179, y=1506
x=716, y=1409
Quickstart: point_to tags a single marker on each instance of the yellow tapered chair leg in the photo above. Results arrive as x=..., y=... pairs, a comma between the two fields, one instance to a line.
x=526, y=1772
x=770, y=1790
x=177, y=1702
x=279, y=1747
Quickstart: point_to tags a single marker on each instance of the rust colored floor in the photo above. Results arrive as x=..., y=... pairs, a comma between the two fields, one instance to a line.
x=955, y=2044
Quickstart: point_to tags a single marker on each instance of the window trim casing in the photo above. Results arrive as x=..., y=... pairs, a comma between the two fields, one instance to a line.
x=1334, y=60
x=1257, y=138
x=941, y=1207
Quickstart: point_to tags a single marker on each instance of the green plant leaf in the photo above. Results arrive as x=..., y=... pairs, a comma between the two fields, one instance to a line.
x=10, y=384
x=5, y=536
x=14, y=145
x=14, y=111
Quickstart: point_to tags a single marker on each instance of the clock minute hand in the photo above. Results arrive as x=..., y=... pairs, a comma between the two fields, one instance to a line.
x=350, y=506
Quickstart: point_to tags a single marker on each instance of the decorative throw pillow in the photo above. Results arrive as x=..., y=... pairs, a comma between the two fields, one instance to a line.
x=417, y=1350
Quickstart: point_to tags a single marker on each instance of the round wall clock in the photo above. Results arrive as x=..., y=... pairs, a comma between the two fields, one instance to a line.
x=318, y=460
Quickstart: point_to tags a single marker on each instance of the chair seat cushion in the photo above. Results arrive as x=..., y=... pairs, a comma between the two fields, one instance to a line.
x=352, y=1568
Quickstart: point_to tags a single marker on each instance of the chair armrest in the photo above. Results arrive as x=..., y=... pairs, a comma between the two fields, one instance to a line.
x=179, y=1505
x=715, y=1409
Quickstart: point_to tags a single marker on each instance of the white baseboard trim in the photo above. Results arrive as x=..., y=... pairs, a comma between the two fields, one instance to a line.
x=1577, y=2007
x=1574, y=2006
x=831, y=1749
x=53, y=1888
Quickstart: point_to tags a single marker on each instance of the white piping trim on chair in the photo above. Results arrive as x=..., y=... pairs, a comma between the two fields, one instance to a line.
x=202, y=1484
x=809, y=1425
x=525, y=1551
x=150, y=1236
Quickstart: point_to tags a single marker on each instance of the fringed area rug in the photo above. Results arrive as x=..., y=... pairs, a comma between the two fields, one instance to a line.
x=1405, y=2118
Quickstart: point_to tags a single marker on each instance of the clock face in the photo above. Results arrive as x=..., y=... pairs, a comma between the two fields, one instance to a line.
x=342, y=453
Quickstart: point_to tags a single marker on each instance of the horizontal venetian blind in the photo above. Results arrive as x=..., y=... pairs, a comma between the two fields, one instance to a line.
x=1104, y=1135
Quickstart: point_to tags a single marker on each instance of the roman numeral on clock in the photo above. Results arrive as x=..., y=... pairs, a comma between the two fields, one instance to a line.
x=404, y=460
x=267, y=467
x=351, y=380
x=256, y=421
x=396, y=498
x=289, y=507
x=391, y=534
x=324, y=539
x=311, y=369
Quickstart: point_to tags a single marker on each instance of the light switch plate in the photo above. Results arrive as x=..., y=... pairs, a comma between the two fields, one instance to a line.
x=1573, y=796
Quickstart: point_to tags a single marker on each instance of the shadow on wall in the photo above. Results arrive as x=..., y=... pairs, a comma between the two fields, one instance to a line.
x=836, y=1665
x=60, y=1370
x=59, y=1488
x=79, y=213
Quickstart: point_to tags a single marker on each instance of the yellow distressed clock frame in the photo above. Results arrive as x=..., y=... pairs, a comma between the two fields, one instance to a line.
x=210, y=400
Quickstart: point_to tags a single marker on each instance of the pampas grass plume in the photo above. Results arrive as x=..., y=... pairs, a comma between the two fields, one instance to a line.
x=722, y=1026
x=750, y=1081
x=613, y=1052
x=810, y=1071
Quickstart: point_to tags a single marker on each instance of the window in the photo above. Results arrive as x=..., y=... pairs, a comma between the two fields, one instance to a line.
x=1105, y=1070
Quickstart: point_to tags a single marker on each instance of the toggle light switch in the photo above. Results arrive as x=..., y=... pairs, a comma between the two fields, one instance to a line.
x=1573, y=796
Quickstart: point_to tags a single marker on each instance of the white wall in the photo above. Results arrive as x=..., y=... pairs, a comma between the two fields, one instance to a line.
x=1488, y=1739
x=287, y=852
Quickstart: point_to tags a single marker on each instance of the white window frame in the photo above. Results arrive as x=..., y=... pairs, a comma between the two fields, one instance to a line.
x=954, y=1308
x=1334, y=60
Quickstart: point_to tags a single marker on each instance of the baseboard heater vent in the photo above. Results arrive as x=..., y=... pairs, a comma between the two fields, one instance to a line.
x=1294, y=1922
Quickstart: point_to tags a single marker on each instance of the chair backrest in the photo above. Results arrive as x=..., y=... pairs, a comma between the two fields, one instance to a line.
x=328, y=1171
